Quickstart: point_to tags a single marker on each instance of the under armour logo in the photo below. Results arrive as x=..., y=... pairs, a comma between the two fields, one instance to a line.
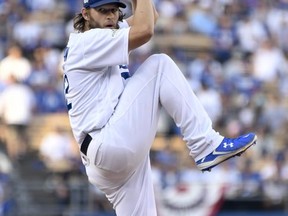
x=225, y=145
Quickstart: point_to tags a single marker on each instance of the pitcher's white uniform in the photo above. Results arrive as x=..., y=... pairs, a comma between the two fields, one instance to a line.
x=122, y=119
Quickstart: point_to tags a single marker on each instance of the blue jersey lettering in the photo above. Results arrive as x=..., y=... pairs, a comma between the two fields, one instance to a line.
x=124, y=71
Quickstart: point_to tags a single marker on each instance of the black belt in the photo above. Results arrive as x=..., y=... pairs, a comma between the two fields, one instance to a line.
x=85, y=144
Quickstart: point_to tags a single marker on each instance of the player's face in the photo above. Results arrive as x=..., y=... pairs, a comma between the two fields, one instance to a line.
x=105, y=16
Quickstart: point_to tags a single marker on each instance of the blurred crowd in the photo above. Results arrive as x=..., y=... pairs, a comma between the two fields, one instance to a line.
x=241, y=79
x=242, y=82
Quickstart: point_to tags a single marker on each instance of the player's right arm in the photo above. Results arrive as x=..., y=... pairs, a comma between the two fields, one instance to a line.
x=142, y=23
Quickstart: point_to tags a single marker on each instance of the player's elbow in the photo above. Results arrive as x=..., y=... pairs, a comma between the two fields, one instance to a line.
x=140, y=36
x=148, y=32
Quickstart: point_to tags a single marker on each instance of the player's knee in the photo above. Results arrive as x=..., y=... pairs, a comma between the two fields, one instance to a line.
x=161, y=60
x=160, y=57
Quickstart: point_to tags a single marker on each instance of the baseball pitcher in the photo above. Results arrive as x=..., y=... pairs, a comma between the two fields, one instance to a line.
x=114, y=116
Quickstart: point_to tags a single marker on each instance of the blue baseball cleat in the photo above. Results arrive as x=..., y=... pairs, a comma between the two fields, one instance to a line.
x=229, y=147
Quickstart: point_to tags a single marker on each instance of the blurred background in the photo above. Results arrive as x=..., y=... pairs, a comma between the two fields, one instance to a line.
x=234, y=55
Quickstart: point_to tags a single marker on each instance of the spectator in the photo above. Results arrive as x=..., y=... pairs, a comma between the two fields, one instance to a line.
x=41, y=5
x=44, y=82
x=251, y=180
x=33, y=32
x=14, y=64
x=277, y=21
x=169, y=11
x=39, y=77
x=235, y=65
x=275, y=112
x=211, y=100
x=57, y=151
x=204, y=66
x=17, y=104
x=269, y=63
x=250, y=32
x=224, y=38
x=60, y=156
x=244, y=82
x=202, y=21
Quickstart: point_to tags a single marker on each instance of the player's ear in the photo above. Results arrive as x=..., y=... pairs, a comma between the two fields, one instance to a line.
x=85, y=13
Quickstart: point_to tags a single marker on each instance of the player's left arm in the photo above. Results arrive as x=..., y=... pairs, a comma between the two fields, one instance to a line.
x=129, y=20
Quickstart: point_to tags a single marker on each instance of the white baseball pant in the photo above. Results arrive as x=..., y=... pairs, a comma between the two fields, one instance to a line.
x=118, y=155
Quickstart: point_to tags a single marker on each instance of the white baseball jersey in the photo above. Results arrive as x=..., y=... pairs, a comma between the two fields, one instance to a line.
x=92, y=97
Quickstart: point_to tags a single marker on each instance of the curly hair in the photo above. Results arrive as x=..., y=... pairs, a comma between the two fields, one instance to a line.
x=79, y=21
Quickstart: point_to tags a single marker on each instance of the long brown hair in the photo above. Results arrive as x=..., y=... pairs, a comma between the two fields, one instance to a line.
x=79, y=21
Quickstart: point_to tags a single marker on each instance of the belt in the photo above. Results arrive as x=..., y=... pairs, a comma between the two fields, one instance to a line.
x=85, y=144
